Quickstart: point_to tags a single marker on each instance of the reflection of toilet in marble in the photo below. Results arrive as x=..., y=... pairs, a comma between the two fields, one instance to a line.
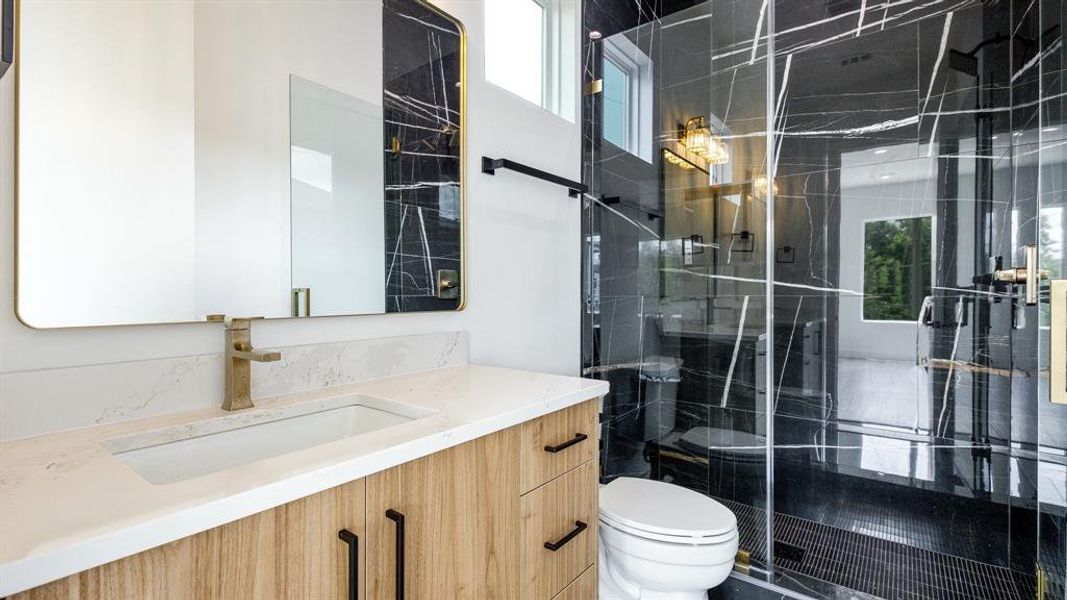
x=738, y=456
x=662, y=541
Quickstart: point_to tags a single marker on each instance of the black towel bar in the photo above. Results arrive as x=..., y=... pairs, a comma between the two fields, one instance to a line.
x=490, y=165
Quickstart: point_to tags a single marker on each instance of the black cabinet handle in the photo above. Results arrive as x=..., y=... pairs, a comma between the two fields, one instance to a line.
x=398, y=518
x=352, y=540
x=578, y=437
x=578, y=528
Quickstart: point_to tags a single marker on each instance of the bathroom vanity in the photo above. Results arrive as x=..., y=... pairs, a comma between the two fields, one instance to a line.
x=293, y=150
x=481, y=483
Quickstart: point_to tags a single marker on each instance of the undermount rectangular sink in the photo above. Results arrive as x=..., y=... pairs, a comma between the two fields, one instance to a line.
x=174, y=454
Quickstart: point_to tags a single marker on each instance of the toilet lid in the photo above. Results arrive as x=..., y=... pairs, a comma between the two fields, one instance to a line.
x=663, y=508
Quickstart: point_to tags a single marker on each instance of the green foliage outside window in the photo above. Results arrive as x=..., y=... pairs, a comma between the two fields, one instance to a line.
x=897, y=258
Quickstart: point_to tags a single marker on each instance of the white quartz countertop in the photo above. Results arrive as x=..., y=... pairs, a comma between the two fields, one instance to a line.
x=67, y=504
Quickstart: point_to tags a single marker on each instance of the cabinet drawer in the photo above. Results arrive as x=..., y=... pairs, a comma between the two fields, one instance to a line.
x=558, y=442
x=583, y=588
x=562, y=514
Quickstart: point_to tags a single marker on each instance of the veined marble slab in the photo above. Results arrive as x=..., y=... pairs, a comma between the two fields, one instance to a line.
x=39, y=402
x=67, y=504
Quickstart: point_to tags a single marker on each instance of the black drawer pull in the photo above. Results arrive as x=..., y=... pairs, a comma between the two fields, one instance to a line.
x=578, y=528
x=578, y=437
x=352, y=540
x=398, y=518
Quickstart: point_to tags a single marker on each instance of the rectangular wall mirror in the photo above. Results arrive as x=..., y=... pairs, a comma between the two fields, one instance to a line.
x=183, y=159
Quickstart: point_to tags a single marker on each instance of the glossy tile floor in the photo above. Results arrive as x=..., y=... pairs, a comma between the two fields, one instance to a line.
x=739, y=588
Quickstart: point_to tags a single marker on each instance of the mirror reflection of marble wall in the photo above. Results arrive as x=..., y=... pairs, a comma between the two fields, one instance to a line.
x=423, y=193
x=217, y=157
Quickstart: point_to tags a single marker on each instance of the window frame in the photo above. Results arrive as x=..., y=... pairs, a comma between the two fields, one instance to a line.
x=549, y=39
x=558, y=40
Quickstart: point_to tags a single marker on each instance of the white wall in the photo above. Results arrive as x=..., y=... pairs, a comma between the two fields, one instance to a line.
x=338, y=213
x=243, y=62
x=523, y=252
x=119, y=140
x=120, y=271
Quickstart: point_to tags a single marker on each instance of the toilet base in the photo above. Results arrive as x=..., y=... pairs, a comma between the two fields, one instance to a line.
x=609, y=587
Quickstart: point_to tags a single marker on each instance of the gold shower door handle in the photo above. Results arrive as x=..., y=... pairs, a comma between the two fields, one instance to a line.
x=1058, y=349
x=1029, y=276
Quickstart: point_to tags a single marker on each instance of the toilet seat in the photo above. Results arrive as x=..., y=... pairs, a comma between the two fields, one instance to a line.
x=621, y=546
x=687, y=540
x=664, y=512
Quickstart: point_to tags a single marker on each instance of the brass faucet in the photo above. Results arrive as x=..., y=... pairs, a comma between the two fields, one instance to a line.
x=239, y=357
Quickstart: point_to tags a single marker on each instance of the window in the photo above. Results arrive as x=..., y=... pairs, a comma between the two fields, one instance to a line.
x=897, y=268
x=616, y=104
x=530, y=50
x=515, y=46
x=626, y=72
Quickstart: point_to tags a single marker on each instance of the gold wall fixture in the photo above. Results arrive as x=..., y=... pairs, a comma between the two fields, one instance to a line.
x=677, y=159
x=759, y=186
x=699, y=140
x=1058, y=339
x=447, y=284
x=301, y=305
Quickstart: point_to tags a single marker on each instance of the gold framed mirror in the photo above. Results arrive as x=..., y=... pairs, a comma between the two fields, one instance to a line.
x=178, y=160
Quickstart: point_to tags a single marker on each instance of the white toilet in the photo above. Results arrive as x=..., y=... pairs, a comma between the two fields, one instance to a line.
x=661, y=541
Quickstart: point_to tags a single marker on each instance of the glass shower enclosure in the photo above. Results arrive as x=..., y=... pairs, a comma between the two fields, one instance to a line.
x=821, y=246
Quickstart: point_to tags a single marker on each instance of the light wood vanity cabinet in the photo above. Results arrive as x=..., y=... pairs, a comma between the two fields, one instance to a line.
x=459, y=513
x=559, y=504
x=292, y=551
x=475, y=521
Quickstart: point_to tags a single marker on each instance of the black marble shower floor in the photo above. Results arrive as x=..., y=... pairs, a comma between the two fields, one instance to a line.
x=810, y=555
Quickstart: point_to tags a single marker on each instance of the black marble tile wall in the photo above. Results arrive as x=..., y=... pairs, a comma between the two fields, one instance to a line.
x=930, y=432
x=423, y=202
x=877, y=121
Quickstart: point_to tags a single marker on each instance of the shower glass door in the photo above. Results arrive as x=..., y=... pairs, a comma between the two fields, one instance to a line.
x=879, y=417
x=915, y=166
x=675, y=238
x=1051, y=233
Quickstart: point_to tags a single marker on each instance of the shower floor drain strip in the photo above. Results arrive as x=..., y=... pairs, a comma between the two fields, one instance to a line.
x=881, y=568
